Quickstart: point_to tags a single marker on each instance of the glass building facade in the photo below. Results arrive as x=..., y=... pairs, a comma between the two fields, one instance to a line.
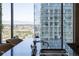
x=48, y=16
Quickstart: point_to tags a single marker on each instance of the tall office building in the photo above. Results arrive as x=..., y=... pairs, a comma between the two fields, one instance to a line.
x=50, y=18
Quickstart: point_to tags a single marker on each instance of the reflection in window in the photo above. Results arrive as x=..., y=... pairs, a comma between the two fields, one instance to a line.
x=51, y=11
x=55, y=17
x=46, y=23
x=67, y=11
x=68, y=17
x=51, y=23
x=51, y=18
x=56, y=37
x=56, y=23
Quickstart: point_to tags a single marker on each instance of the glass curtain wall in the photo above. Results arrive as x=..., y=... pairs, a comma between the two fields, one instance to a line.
x=68, y=22
x=51, y=35
x=68, y=27
x=49, y=15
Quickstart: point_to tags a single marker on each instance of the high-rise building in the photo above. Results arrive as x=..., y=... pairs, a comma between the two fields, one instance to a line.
x=50, y=23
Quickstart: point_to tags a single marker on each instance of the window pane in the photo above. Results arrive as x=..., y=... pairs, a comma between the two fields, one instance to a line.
x=23, y=20
x=6, y=21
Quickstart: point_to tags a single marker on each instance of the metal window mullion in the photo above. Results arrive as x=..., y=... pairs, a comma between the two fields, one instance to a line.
x=61, y=25
x=74, y=22
x=11, y=20
x=12, y=26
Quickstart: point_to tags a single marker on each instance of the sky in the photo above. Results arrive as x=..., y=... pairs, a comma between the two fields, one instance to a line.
x=23, y=13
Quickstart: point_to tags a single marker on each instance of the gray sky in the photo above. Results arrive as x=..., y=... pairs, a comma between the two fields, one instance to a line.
x=23, y=13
